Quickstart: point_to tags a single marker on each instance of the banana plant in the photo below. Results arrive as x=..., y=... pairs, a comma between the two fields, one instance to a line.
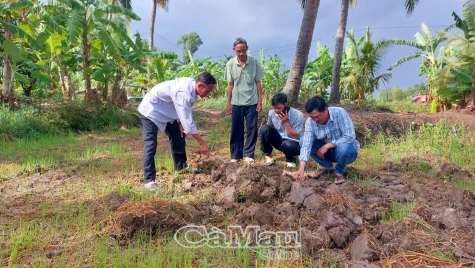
x=12, y=14
x=121, y=62
x=87, y=19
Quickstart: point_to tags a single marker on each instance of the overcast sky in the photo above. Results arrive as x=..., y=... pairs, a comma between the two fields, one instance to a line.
x=274, y=25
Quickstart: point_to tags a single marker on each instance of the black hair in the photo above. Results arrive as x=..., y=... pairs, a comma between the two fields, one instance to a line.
x=279, y=98
x=206, y=78
x=315, y=103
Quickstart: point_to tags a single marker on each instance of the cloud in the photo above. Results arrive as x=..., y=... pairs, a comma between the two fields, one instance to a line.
x=275, y=24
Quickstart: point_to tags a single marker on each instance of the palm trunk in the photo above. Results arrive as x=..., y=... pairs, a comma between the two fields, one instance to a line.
x=7, y=67
x=294, y=80
x=152, y=31
x=340, y=40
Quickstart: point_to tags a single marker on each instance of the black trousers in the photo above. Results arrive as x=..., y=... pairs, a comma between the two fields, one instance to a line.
x=270, y=139
x=237, y=146
x=149, y=136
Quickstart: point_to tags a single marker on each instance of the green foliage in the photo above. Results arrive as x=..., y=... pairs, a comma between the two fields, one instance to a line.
x=361, y=64
x=406, y=106
x=29, y=122
x=191, y=42
x=86, y=117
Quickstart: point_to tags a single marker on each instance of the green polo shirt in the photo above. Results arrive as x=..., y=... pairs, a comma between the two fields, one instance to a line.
x=244, y=78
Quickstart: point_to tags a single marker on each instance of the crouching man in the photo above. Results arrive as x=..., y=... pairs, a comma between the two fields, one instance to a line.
x=282, y=132
x=167, y=107
x=329, y=137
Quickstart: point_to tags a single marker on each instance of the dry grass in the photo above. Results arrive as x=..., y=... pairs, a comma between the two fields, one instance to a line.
x=415, y=259
x=333, y=198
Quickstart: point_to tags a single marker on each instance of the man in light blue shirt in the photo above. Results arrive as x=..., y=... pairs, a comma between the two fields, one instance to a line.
x=329, y=137
x=283, y=131
x=167, y=107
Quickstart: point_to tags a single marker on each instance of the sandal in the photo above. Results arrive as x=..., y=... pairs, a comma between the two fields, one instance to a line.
x=323, y=171
x=339, y=177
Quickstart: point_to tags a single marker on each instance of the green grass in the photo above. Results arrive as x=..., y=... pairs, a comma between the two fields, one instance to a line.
x=440, y=141
x=397, y=106
x=398, y=211
x=220, y=103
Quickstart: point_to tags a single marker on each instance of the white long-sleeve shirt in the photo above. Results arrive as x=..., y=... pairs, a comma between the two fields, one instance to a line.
x=169, y=101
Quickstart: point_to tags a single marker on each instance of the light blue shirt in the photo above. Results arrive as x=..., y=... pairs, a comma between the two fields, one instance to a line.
x=296, y=119
x=170, y=101
x=338, y=129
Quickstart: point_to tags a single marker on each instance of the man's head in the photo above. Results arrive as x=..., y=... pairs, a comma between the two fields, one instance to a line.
x=317, y=110
x=240, y=48
x=279, y=102
x=205, y=84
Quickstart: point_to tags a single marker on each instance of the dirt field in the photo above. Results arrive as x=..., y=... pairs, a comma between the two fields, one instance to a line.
x=352, y=223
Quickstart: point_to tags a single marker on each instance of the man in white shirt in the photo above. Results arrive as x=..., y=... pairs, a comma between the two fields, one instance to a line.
x=167, y=107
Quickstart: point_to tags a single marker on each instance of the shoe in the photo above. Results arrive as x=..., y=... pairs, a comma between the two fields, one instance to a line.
x=249, y=160
x=190, y=171
x=270, y=161
x=151, y=186
x=291, y=165
x=234, y=160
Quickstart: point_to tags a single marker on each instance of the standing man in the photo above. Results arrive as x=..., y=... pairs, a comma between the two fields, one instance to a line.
x=244, y=75
x=329, y=137
x=167, y=107
x=283, y=131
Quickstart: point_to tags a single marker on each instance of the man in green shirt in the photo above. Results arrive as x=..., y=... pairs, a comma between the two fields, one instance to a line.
x=244, y=75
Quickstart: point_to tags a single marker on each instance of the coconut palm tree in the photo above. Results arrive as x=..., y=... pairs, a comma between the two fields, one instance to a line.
x=427, y=44
x=155, y=3
x=363, y=61
x=340, y=38
x=294, y=80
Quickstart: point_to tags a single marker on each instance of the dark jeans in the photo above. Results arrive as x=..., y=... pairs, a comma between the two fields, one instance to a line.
x=270, y=139
x=343, y=154
x=149, y=136
x=249, y=114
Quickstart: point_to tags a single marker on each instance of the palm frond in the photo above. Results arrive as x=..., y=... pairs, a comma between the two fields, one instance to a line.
x=409, y=43
x=405, y=59
x=410, y=6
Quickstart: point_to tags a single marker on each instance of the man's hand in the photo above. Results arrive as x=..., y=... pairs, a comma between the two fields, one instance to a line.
x=322, y=151
x=299, y=174
x=284, y=117
x=259, y=107
x=204, y=149
x=230, y=109
x=182, y=133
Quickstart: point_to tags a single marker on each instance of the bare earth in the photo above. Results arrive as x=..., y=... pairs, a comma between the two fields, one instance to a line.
x=345, y=222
